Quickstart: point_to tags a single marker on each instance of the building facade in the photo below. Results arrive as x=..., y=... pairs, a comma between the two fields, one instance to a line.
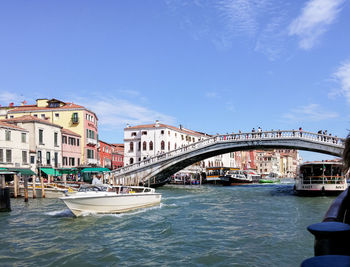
x=14, y=146
x=71, y=149
x=105, y=154
x=73, y=117
x=45, y=141
x=117, y=156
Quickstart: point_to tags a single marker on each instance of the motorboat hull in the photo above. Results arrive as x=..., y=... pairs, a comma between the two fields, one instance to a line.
x=110, y=203
x=319, y=189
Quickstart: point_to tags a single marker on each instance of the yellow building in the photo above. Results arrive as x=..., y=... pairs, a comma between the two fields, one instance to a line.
x=68, y=115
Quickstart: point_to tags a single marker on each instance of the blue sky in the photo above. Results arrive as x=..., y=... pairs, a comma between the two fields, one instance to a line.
x=212, y=66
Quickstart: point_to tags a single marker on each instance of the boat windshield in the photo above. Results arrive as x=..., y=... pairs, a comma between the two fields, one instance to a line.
x=93, y=188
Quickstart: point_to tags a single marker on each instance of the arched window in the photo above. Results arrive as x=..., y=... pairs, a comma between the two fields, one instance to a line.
x=144, y=145
x=139, y=147
x=168, y=146
x=131, y=147
x=151, y=145
x=175, y=146
x=162, y=145
x=131, y=161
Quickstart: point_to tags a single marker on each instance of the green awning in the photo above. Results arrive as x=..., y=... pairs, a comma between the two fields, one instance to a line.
x=50, y=171
x=94, y=170
x=24, y=171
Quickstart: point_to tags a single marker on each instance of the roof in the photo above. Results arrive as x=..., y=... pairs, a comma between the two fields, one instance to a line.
x=69, y=132
x=29, y=108
x=8, y=125
x=29, y=118
x=160, y=125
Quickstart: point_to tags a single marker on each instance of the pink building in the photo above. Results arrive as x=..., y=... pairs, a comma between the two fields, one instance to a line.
x=71, y=149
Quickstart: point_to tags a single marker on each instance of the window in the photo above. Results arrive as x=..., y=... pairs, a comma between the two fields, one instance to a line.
x=43, y=116
x=35, y=115
x=54, y=104
x=151, y=145
x=139, y=146
x=78, y=161
x=168, y=146
x=56, y=159
x=182, y=137
x=131, y=146
x=32, y=159
x=144, y=145
x=24, y=157
x=11, y=117
x=90, y=154
x=41, y=132
x=39, y=156
x=1, y=155
x=48, y=158
x=78, y=142
x=7, y=135
x=24, y=135
x=55, y=138
x=162, y=132
x=162, y=145
x=169, y=133
x=64, y=161
x=131, y=160
x=75, y=118
x=8, y=155
x=144, y=133
x=133, y=134
x=57, y=115
x=71, y=161
x=64, y=139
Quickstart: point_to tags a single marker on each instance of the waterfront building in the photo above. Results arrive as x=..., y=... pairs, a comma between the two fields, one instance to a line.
x=71, y=116
x=45, y=147
x=117, y=156
x=105, y=154
x=71, y=149
x=288, y=162
x=14, y=146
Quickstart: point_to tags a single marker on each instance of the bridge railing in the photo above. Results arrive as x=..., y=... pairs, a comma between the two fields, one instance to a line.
x=236, y=137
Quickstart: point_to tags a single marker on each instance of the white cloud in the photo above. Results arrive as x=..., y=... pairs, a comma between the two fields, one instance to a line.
x=7, y=97
x=115, y=113
x=342, y=76
x=211, y=95
x=311, y=112
x=314, y=20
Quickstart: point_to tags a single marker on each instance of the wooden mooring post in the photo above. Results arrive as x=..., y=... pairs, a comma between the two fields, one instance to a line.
x=5, y=204
x=34, y=186
x=15, y=186
x=25, y=188
x=42, y=187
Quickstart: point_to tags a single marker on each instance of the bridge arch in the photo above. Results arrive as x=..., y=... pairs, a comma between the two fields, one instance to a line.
x=161, y=167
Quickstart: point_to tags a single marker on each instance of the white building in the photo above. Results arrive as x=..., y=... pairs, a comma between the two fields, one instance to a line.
x=45, y=141
x=14, y=146
x=143, y=141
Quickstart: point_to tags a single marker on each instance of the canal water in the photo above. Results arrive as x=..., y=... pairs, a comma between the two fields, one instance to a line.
x=254, y=225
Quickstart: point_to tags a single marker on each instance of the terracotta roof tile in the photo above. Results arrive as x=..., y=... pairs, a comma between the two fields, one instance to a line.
x=185, y=131
x=9, y=125
x=69, y=132
x=28, y=118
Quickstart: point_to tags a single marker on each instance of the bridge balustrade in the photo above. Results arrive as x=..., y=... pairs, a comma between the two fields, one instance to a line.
x=236, y=137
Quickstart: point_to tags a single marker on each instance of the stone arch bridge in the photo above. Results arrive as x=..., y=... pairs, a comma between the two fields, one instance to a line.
x=158, y=168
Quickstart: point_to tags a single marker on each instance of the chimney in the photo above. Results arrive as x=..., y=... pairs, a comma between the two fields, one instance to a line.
x=127, y=125
x=180, y=126
x=157, y=123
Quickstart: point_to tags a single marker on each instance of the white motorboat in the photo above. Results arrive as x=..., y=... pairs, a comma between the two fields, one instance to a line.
x=111, y=199
x=321, y=178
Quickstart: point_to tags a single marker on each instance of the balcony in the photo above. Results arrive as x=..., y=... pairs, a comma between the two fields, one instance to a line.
x=91, y=141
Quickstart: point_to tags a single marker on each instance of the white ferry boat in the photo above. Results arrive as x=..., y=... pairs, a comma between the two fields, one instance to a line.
x=320, y=178
x=111, y=199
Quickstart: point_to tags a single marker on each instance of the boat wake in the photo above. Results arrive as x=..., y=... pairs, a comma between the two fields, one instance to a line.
x=60, y=213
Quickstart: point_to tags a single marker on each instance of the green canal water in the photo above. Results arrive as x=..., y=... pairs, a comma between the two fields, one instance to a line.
x=255, y=225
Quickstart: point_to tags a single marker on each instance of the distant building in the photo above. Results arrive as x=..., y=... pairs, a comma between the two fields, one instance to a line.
x=105, y=154
x=45, y=141
x=73, y=117
x=117, y=156
x=71, y=149
x=14, y=146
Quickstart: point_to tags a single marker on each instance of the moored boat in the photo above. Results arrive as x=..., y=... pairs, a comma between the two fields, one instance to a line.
x=320, y=178
x=237, y=177
x=111, y=199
